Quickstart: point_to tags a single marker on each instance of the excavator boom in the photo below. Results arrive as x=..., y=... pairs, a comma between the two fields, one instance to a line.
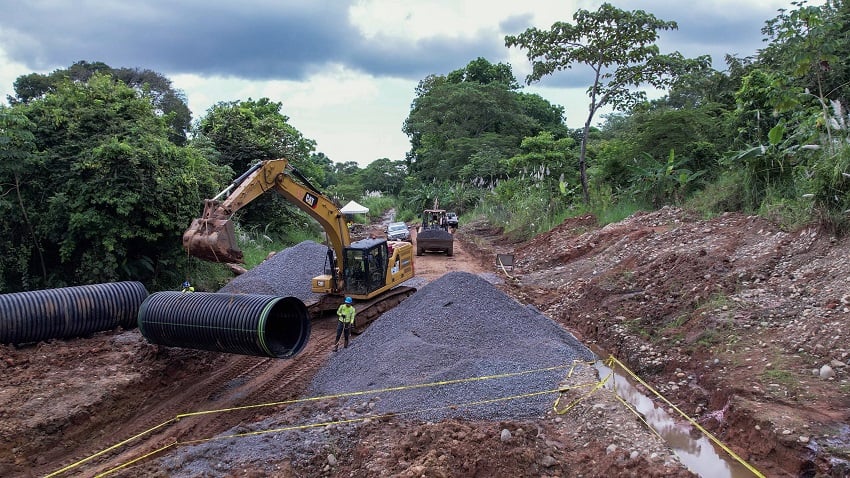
x=370, y=271
x=212, y=236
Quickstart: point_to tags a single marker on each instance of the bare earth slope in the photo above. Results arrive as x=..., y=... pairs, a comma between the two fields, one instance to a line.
x=741, y=325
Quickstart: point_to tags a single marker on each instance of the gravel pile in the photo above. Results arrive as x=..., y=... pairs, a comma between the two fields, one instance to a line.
x=287, y=273
x=456, y=327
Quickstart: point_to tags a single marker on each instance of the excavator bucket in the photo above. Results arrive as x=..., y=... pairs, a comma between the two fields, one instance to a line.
x=212, y=239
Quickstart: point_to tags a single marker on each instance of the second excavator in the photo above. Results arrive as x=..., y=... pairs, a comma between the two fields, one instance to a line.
x=370, y=271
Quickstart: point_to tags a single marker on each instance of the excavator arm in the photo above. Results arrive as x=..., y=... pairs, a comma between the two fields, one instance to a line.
x=212, y=236
x=370, y=271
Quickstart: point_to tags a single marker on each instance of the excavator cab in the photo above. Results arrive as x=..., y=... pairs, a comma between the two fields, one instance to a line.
x=365, y=266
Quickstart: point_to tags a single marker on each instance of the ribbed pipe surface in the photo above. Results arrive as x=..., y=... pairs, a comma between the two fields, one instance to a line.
x=247, y=324
x=69, y=311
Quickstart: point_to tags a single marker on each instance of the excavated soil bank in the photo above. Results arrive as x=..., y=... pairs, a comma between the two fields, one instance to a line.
x=742, y=325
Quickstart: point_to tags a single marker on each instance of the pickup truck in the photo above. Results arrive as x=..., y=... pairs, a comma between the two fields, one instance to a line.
x=451, y=219
x=397, y=231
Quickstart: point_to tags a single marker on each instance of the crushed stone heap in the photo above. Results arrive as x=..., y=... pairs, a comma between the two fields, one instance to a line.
x=287, y=273
x=457, y=327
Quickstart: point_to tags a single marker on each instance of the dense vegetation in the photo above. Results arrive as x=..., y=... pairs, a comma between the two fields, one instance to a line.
x=101, y=168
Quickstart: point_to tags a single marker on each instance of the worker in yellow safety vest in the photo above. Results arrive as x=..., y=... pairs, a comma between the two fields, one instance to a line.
x=345, y=313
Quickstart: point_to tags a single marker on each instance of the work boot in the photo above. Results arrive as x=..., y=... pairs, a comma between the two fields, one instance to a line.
x=336, y=347
x=346, y=344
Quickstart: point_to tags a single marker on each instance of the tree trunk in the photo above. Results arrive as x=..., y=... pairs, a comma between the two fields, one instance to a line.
x=29, y=226
x=582, y=164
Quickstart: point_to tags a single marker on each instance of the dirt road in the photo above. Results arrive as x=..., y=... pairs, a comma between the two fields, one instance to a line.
x=733, y=319
x=432, y=265
x=65, y=402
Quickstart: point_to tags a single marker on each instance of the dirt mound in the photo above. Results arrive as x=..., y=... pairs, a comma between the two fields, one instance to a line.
x=738, y=322
x=744, y=324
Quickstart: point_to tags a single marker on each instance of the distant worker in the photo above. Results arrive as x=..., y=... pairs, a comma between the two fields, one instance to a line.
x=345, y=312
x=187, y=287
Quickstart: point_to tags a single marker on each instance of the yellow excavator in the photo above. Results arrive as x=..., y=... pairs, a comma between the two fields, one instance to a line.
x=370, y=271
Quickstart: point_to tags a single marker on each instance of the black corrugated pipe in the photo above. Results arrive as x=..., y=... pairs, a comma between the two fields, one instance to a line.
x=248, y=324
x=69, y=311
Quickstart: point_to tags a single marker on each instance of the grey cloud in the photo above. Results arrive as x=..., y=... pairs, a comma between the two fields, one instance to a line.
x=516, y=24
x=255, y=40
x=708, y=29
x=702, y=30
x=431, y=56
x=289, y=39
x=182, y=37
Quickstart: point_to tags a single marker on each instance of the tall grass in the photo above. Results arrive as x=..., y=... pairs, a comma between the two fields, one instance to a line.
x=378, y=205
x=616, y=212
x=526, y=215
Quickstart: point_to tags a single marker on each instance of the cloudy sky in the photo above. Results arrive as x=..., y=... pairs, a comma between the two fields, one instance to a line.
x=344, y=70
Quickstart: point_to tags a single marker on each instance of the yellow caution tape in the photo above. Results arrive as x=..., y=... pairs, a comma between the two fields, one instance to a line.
x=135, y=460
x=504, y=269
x=302, y=400
x=113, y=447
x=613, y=361
x=323, y=424
x=594, y=387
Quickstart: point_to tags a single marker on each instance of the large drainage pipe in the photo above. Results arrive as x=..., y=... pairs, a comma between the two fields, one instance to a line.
x=69, y=311
x=247, y=324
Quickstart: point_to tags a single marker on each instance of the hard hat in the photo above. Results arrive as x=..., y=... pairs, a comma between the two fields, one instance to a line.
x=348, y=300
x=186, y=284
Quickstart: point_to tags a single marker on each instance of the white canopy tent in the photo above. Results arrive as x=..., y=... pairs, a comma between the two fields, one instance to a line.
x=354, y=208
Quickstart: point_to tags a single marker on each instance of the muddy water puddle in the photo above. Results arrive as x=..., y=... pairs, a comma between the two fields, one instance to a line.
x=695, y=450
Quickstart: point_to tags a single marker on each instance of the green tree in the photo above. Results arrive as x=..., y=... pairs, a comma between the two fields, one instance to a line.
x=418, y=195
x=245, y=132
x=106, y=194
x=546, y=169
x=802, y=161
x=462, y=197
x=384, y=175
x=644, y=140
x=323, y=169
x=617, y=45
x=20, y=247
x=485, y=166
x=167, y=101
x=348, y=184
x=482, y=71
x=811, y=44
x=543, y=153
x=471, y=113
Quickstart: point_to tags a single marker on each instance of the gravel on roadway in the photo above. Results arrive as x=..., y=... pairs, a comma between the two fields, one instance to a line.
x=286, y=273
x=457, y=327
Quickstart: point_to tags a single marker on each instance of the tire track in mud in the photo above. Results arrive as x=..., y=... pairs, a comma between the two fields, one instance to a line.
x=232, y=382
x=164, y=408
x=241, y=381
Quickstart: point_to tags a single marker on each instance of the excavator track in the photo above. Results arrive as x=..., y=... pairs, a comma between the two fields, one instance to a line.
x=367, y=310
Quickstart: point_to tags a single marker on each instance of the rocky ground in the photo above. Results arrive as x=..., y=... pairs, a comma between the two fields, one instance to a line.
x=743, y=325
x=740, y=325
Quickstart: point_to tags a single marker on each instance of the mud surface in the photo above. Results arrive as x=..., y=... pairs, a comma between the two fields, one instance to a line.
x=741, y=325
